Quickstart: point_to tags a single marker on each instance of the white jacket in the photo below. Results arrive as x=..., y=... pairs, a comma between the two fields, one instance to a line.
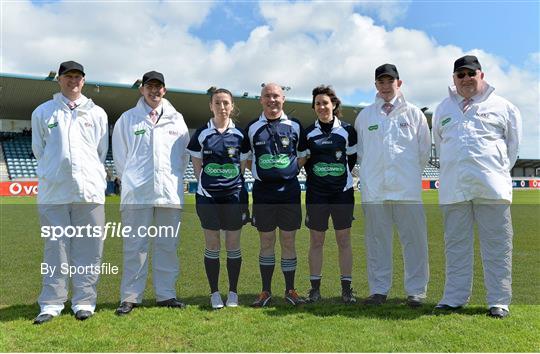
x=392, y=151
x=70, y=148
x=151, y=159
x=478, y=148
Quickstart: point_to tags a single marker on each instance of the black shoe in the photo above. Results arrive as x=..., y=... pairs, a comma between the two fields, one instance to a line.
x=174, y=302
x=82, y=315
x=414, y=301
x=125, y=308
x=498, y=312
x=446, y=308
x=375, y=300
x=42, y=318
x=347, y=296
x=314, y=295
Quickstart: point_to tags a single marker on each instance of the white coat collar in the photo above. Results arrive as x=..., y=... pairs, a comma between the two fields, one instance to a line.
x=482, y=96
x=83, y=102
x=169, y=112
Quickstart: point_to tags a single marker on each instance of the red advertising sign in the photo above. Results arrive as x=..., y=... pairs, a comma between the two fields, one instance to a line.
x=18, y=189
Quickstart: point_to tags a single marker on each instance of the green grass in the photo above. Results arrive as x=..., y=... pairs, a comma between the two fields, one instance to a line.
x=324, y=327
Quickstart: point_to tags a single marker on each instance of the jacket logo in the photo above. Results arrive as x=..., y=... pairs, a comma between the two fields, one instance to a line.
x=88, y=125
x=52, y=125
x=173, y=132
x=140, y=132
x=403, y=124
x=446, y=121
x=373, y=127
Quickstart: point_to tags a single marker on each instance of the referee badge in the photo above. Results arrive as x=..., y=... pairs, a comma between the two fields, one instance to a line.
x=285, y=141
x=231, y=151
x=339, y=153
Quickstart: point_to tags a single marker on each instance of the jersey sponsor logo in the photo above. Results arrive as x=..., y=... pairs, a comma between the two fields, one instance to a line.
x=267, y=161
x=446, y=121
x=258, y=143
x=140, y=132
x=227, y=170
x=52, y=125
x=231, y=151
x=373, y=127
x=326, y=142
x=323, y=169
x=207, y=152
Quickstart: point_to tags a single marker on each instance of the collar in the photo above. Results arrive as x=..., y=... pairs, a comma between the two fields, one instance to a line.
x=481, y=96
x=398, y=100
x=148, y=109
x=263, y=118
x=337, y=123
x=212, y=126
x=79, y=101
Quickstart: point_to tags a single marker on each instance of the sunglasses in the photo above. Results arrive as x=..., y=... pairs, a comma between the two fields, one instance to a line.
x=461, y=75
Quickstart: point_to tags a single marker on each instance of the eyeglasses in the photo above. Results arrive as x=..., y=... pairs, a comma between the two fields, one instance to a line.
x=461, y=75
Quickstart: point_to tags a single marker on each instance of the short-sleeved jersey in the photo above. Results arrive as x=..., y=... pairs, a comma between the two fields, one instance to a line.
x=221, y=154
x=328, y=167
x=276, y=147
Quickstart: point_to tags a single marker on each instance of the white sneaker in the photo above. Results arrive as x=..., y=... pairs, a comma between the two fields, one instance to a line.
x=232, y=299
x=215, y=300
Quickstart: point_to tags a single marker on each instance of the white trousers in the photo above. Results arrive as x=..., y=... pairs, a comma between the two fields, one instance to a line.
x=495, y=233
x=411, y=225
x=164, y=258
x=81, y=252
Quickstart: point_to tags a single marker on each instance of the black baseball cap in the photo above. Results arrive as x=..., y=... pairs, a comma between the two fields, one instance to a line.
x=153, y=75
x=69, y=66
x=386, y=69
x=469, y=62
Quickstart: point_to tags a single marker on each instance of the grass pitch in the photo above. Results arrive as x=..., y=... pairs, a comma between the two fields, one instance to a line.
x=324, y=327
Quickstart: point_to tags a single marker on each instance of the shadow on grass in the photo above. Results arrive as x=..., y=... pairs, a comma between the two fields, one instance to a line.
x=394, y=309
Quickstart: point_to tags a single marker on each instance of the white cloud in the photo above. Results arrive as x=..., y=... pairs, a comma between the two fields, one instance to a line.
x=299, y=45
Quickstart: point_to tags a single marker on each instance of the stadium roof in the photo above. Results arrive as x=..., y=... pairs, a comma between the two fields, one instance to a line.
x=21, y=94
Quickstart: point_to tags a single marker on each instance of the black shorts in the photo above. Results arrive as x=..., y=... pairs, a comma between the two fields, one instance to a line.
x=223, y=213
x=276, y=205
x=320, y=207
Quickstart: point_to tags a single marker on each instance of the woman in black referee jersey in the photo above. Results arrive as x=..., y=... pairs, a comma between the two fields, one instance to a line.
x=329, y=191
x=219, y=152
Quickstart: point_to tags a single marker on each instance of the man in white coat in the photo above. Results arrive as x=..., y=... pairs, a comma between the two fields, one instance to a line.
x=393, y=148
x=476, y=134
x=149, y=149
x=70, y=141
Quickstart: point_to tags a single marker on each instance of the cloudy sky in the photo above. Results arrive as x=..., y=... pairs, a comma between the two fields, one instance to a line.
x=240, y=44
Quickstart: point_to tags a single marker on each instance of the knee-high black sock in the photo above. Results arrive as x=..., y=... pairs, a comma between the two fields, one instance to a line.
x=234, y=262
x=211, y=265
x=267, y=265
x=288, y=267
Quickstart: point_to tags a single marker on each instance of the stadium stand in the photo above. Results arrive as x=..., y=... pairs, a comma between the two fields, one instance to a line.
x=21, y=163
